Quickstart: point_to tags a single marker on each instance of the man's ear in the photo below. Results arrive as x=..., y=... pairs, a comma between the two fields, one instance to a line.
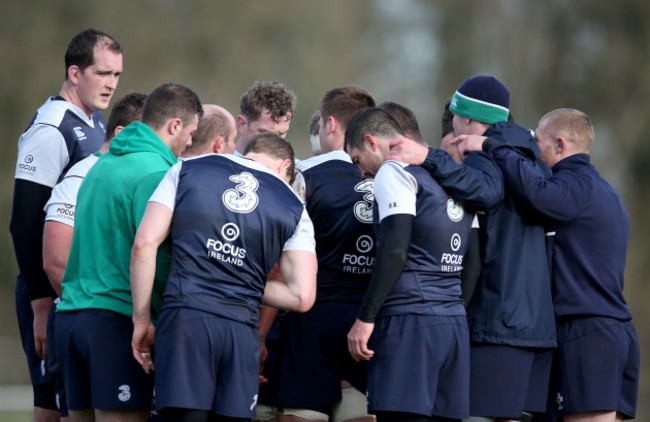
x=73, y=74
x=117, y=130
x=219, y=141
x=560, y=146
x=284, y=166
x=242, y=123
x=371, y=142
x=174, y=126
x=331, y=125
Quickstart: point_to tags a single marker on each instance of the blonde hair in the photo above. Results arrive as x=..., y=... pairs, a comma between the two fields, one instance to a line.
x=572, y=125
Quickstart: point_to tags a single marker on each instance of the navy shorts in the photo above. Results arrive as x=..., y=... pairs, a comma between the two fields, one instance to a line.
x=506, y=381
x=420, y=365
x=313, y=357
x=97, y=363
x=38, y=370
x=54, y=367
x=597, y=366
x=205, y=362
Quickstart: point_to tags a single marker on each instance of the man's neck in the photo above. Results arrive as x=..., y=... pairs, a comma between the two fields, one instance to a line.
x=69, y=94
x=240, y=146
x=335, y=144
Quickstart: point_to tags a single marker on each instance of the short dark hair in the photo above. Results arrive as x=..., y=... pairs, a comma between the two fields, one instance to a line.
x=210, y=125
x=373, y=121
x=447, y=121
x=126, y=110
x=405, y=117
x=81, y=48
x=275, y=146
x=272, y=96
x=314, y=123
x=170, y=101
x=343, y=102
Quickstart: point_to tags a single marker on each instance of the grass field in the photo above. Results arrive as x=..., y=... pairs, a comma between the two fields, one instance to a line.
x=15, y=403
x=15, y=416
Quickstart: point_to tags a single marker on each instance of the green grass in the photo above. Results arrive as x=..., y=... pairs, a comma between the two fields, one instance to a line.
x=15, y=416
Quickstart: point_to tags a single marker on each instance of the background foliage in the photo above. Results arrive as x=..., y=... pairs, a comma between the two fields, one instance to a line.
x=594, y=56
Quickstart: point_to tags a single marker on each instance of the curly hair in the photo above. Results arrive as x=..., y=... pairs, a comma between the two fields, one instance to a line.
x=272, y=96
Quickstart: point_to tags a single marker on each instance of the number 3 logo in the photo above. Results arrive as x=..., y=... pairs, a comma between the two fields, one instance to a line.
x=242, y=199
x=363, y=209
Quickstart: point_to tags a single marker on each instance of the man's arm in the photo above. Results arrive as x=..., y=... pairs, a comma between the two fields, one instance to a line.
x=26, y=229
x=554, y=197
x=57, y=240
x=298, y=292
x=476, y=183
x=266, y=319
x=154, y=228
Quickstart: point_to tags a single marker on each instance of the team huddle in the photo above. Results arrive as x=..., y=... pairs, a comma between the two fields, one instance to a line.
x=169, y=273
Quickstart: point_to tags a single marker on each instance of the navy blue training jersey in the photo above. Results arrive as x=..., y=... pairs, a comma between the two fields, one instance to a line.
x=430, y=281
x=232, y=220
x=58, y=136
x=340, y=203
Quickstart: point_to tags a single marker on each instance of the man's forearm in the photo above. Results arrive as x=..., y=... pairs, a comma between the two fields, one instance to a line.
x=298, y=293
x=57, y=240
x=390, y=259
x=477, y=182
x=26, y=229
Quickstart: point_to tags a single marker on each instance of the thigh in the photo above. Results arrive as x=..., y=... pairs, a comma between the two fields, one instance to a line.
x=54, y=367
x=313, y=358
x=185, y=369
x=352, y=406
x=205, y=362
x=597, y=366
x=38, y=369
x=238, y=370
x=99, y=370
x=421, y=365
x=507, y=392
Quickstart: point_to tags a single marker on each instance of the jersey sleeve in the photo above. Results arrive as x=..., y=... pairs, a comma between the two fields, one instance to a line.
x=476, y=183
x=303, y=237
x=165, y=193
x=395, y=190
x=63, y=201
x=557, y=197
x=42, y=155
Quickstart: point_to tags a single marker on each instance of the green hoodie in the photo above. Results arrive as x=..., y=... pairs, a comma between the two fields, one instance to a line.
x=110, y=205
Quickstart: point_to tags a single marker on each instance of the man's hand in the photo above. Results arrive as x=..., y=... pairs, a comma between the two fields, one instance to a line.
x=264, y=354
x=358, y=340
x=468, y=143
x=408, y=151
x=41, y=308
x=142, y=345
